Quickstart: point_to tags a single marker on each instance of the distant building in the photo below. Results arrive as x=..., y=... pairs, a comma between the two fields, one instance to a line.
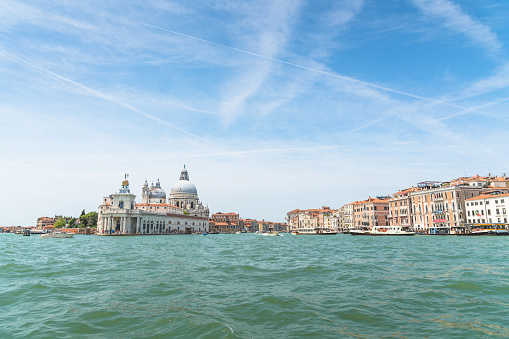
x=45, y=221
x=120, y=214
x=400, y=208
x=348, y=214
x=249, y=225
x=309, y=221
x=438, y=207
x=226, y=222
x=488, y=209
x=371, y=212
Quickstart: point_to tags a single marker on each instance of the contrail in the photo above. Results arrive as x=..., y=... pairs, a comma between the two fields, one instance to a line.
x=473, y=109
x=94, y=92
x=415, y=96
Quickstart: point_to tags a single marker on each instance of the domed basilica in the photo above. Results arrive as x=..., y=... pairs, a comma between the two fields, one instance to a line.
x=184, y=213
x=183, y=195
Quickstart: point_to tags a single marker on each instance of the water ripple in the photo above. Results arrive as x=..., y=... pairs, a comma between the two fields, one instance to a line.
x=247, y=286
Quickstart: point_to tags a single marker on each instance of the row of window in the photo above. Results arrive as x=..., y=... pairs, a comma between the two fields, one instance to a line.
x=482, y=221
x=474, y=203
x=481, y=212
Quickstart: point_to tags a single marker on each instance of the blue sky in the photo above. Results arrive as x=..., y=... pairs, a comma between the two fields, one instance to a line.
x=272, y=105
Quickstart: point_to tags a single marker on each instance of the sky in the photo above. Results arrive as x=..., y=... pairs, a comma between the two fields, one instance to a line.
x=270, y=105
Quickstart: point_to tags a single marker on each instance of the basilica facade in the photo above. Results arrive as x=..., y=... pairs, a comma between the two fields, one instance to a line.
x=182, y=213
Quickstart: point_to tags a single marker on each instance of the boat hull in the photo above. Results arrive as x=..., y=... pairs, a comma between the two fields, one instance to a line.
x=60, y=235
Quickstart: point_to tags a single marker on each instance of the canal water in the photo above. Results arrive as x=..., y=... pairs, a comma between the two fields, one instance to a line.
x=251, y=286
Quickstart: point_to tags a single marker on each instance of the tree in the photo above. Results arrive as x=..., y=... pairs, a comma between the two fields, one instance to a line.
x=83, y=219
x=89, y=219
x=72, y=223
x=60, y=223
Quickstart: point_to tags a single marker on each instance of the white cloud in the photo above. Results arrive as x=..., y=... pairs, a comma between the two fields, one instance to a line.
x=266, y=32
x=454, y=18
x=498, y=80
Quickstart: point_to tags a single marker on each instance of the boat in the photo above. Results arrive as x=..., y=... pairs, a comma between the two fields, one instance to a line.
x=37, y=232
x=483, y=231
x=57, y=235
x=204, y=233
x=238, y=232
x=325, y=231
x=360, y=231
x=271, y=234
x=385, y=231
x=314, y=231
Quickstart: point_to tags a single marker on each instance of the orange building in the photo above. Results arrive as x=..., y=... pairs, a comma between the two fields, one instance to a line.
x=226, y=222
x=371, y=212
x=400, y=208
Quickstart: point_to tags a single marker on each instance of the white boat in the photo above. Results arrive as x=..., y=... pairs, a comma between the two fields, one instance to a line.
x=385, y=230
x=57, y=235
x=359, y=232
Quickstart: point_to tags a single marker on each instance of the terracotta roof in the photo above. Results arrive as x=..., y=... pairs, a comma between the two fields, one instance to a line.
x=486, y=196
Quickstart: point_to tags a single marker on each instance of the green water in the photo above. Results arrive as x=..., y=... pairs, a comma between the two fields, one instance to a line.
x=250, y=286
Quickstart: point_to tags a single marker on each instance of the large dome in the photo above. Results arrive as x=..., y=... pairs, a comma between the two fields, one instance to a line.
x=184, y=186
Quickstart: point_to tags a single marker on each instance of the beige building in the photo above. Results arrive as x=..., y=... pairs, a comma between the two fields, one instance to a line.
x=309, y=221
x=400, y=208
x=439, y=207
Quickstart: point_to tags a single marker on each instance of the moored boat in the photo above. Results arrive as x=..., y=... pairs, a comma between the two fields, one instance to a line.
x=57, y=235
x=385, y=231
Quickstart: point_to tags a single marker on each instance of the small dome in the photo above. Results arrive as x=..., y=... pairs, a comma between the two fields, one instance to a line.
x=184, y=186
x=157, y=193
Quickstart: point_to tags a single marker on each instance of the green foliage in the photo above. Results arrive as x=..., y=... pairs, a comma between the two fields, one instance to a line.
x=186, y=212
x=89, y=219
x=83, y=219
x=72, y=223
x=60, y=223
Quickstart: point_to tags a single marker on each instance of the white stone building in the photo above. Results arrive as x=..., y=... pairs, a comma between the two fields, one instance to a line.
x=348, y=223
x=120, y=214
x=488, y=209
